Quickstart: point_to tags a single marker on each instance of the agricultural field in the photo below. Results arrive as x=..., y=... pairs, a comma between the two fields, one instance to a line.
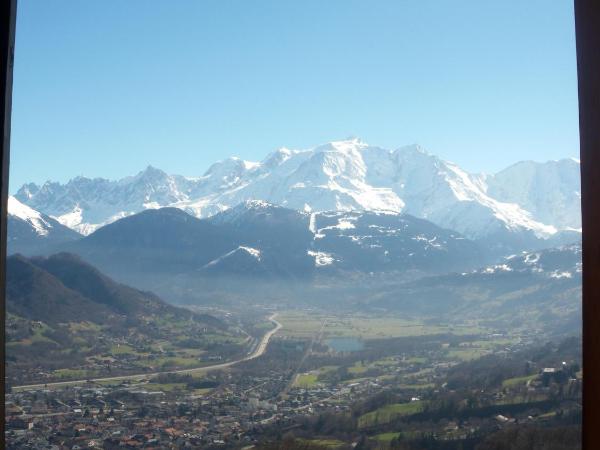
x=388, y=437
x=311, y=379
x=307, y=324
x=387, y=413
x=468, y=354
x=83, y=350
x=324, y=443
x=361, y=349
x=306, y=380
x=511, y=382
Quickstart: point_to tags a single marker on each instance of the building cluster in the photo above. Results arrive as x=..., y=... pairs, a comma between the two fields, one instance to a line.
x=144, y=415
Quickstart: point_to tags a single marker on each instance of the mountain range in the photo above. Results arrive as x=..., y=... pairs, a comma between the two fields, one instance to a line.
x=532, y=291
x=521, y=206
x=341, y=224
x=258, y=239
x=256, y=251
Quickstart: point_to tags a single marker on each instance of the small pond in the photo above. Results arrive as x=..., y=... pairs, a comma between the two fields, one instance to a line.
x=345, y=344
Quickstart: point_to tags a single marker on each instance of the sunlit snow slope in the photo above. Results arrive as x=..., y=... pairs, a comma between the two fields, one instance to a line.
x=539, y=199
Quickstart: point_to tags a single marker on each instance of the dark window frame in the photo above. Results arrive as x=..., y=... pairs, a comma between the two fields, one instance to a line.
x=8, y=10
x=587, y=29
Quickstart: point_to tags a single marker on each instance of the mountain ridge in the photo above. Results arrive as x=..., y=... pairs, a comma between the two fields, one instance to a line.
x=257, y=239
x=345, y=175
x=30, y=232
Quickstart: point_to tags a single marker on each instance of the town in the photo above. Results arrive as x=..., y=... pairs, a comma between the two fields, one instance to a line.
x=290, y=384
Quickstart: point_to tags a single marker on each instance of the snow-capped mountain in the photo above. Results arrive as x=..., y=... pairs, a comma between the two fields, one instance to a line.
x=85, y=204
x=31, y=232
x=550, y=191
x=347, y=175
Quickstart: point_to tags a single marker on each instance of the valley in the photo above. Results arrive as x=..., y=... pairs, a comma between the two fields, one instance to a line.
x=344, y=296
x=397, y=384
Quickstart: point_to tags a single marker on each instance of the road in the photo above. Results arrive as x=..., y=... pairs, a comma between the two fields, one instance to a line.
x=258, y=351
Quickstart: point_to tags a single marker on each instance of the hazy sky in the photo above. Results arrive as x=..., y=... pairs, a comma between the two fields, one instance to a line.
x=104, y=88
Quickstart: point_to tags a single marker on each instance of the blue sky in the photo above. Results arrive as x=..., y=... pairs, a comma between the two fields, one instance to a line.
x=104, y=88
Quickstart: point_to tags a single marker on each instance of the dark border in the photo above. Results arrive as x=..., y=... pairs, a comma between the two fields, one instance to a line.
x=8, y=11
x=587, y=28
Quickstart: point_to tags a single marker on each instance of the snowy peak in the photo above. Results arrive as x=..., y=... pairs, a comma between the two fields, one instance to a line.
x=28, y=190
x=85, y=204
x=278, y=157
x=38, y=222
x=442, y=192
x=151, y=174
x=255, y=211
x=230, y=167
x=351, y=147
x=537, y=200
x=550, y=191
x=33, y=233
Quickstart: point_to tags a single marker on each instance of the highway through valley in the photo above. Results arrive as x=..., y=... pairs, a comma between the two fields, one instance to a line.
x=257, y=351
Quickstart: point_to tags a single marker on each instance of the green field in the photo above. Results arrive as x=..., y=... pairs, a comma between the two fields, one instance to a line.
x=358, y=368
x=416, y=386
x=328, y=443
x=121, y=349
x=467, y=354
x=310, y=379
x=68, y=374
x=165, y=387
x=511, y=382
x=387, y=413
x=387, y=437
x=306, y=380
x=306, y=324
x=81, y=350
